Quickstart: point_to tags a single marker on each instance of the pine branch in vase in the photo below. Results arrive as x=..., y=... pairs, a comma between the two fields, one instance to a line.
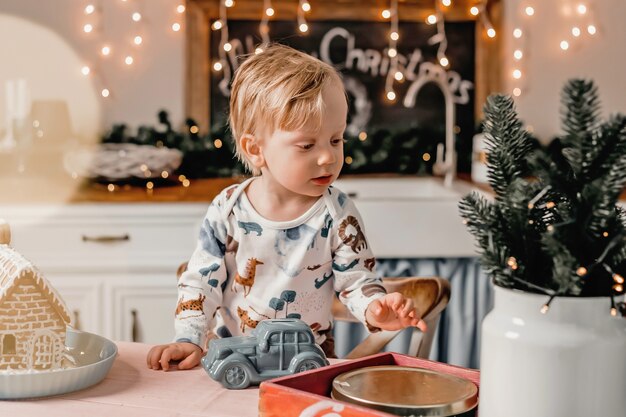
x=557, y=230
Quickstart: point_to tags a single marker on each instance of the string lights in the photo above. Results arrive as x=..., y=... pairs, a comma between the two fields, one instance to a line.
x=617, y=286
x=222, y=25
x=93, y=26
x=303, y=7
x=582, y=25
x=392, y=50
x=440, y=36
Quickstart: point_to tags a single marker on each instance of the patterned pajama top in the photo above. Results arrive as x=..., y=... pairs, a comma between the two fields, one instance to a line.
x=246, y=268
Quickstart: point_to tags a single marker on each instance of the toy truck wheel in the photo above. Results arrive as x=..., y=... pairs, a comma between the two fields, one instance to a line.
x=307, y=365
x=236, y=376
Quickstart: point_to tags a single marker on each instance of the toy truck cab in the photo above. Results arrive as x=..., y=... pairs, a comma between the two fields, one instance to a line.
x=275, y=348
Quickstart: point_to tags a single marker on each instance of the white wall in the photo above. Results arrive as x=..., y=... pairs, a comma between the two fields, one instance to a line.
x=546, y=67
x=154, y=81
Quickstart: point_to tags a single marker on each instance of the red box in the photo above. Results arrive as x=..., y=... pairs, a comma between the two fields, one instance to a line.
x=307, y=394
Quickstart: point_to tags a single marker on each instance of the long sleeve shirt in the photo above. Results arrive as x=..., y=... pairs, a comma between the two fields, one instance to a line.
x=246, y=268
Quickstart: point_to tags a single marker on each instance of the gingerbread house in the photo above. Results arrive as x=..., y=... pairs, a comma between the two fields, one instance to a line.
x=33, y=317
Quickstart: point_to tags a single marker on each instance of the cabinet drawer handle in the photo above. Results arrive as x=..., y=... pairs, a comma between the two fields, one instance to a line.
x=106, y=239
x=135, y=326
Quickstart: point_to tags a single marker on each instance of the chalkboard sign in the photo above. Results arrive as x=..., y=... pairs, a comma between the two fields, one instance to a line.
x=359, y=50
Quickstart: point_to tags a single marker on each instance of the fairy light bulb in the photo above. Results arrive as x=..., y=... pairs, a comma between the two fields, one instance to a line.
x=518, y=92
x=544, y=309
x=89, y=9
x=443, y=61
x=618, y=288
x=386, y=14
x=550, y=205
x=576, y=31
x=228, y=47
x=303, y=27
x=518, y=54
x=106, y=50
x=218, y=143
x=591, y=29
x=517, y=74
x=180, y=8
x=398, y=76
x=217, y=25
x=529, y=11
x=512, y=262
x=138, y=40
x=581, y=9
x=362, y=136
x=194, y=129
x=306, y=6
x=136, y=16
x=217, y=66
x=517, y=33
x=129, y=60
x=431, y=19
x=176, y=27
x=105, y=92
x=474, y=11
x=392, y=52
x=446, y=3
x=564, y=45
x=269, y=11
x=85, y=70
x=229, y=3
x=618, y=278
x=613, y=311
x=394, y=36
x=491, y=32
x=88, y=28
x=581, y=271
x=391, y=96
x=258, y=51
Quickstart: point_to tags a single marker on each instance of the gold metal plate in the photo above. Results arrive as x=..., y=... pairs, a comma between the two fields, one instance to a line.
x=406, y=391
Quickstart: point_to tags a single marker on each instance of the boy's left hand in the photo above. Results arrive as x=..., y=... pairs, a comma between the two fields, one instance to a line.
x=393, y=312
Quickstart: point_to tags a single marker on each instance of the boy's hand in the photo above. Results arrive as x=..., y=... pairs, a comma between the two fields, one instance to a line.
x=160, y=356
x=393, y=312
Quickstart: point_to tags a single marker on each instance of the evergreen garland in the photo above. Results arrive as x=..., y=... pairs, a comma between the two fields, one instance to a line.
x=558, y=230
x=408, y=150
x=204, y=156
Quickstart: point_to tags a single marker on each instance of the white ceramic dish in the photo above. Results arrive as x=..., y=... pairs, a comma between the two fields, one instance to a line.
x=93, y=355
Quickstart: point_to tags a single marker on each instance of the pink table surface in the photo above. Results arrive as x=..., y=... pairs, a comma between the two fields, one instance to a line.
x=131, y=389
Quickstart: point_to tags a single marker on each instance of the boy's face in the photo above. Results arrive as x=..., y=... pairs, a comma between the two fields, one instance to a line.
x=307, y=161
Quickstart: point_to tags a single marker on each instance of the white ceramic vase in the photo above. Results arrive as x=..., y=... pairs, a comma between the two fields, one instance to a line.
x=568, y=362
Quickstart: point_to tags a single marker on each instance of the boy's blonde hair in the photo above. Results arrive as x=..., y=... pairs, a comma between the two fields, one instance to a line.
x=280, y=88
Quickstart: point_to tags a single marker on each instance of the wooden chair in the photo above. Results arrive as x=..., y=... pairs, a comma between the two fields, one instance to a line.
x=430, y=296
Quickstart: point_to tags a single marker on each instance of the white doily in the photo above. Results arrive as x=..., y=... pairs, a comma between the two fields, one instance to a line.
x=120, y=161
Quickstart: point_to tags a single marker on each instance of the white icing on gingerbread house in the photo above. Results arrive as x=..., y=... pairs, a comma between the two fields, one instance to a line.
x=33, y=317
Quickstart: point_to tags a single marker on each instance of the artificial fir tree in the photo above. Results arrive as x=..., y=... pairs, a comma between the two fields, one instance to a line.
x=557, y=231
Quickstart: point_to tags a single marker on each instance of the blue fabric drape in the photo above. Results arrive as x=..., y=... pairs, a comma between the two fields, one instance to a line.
x=457, y=340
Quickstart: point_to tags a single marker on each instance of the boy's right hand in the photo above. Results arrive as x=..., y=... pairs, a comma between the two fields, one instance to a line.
x=188, y=354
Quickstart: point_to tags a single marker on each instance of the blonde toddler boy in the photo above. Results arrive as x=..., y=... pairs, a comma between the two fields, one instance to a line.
x=284, y=241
